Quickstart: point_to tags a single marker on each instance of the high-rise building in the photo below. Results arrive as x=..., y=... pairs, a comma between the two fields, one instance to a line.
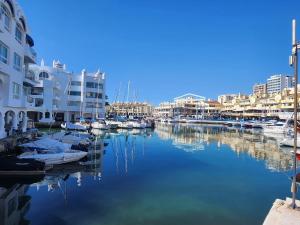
x=277, y=83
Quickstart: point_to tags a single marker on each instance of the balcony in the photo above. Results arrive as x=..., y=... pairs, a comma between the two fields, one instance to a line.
x=30, y=79
x=30, y=55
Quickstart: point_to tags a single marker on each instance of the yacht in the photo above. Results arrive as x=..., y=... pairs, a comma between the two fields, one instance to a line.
x=100, y=124
x=277, y=128
x=72, y=126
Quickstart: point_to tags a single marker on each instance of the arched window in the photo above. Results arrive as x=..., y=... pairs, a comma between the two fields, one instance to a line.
x=7, y=16
x=22, y=21
x=43, y=75
x=19, y=33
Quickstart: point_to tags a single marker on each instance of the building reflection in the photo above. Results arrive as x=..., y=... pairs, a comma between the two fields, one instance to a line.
x=194, y=137
x=14, y=204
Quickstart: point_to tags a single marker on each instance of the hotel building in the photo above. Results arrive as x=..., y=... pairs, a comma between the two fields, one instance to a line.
x=16, y=53
x=277, y=83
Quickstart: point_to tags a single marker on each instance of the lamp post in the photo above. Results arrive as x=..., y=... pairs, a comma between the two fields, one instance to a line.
x=294, y=63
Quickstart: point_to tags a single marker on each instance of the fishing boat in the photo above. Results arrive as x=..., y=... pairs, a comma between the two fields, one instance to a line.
x=72, y=126
x=50, y=157
x=100, y=124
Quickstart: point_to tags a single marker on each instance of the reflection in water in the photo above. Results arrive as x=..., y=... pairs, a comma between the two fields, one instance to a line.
x=14, y=203
x=124, y=146
x=194, y=137
x=139, y=170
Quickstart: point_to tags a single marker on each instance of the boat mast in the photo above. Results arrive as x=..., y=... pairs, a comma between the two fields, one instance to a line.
x=294, y=63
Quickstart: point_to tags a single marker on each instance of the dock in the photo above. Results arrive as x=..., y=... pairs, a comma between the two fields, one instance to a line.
x=282, y=214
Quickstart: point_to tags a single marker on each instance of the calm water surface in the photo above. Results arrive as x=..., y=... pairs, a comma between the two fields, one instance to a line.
x=173, y=175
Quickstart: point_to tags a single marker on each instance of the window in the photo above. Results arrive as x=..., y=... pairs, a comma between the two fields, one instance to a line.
x=93, y=105
x=19, y=33
x=74, y=103
x=93, y=95
x=94, y=85
x=17, y=62
x=75, y=93
x=3, y=53
x=76, y=83
x=43, y=76
x=6, y=15
x=16, y=90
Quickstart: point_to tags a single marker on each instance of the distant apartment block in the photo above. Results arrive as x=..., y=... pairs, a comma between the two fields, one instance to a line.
x=277, y=83
x=259, y=89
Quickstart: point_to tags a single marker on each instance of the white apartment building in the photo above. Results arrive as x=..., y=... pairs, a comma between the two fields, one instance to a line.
x=16, y=53
x=277, y=83
x=56, y=94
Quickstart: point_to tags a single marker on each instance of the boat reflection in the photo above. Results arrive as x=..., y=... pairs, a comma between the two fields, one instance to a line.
x=126, y=149
x=14, y=200
x=196, y=137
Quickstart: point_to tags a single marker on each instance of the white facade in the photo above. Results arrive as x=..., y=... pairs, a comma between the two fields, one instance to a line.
x=277, y=83
x=16, y=53
x=63, y=96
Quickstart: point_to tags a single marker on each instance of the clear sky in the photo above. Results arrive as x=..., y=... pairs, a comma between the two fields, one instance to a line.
x=167, y=48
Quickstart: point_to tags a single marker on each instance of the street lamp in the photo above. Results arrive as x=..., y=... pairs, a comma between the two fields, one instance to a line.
x=294, y=63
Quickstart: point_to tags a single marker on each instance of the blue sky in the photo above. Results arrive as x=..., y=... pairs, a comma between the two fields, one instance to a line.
x=167, y=48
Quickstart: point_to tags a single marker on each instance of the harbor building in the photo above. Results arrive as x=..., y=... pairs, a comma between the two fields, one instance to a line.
x=277, y=83
x=130, y=109
x=260, y=89
x=164, y=110
x=16, y=53
x=59, y=95
x=188, y=105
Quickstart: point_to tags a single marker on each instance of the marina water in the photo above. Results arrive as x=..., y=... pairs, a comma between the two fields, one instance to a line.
x=175, y=174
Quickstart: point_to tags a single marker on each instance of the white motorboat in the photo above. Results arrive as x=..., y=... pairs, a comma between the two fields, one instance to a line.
x=73, y=138
x=100, y=125
x=47, y=143
x=113, y=124
x=126, y=125
x=72, y=126
x=54, y=157
x=98, y=132
x=289, y=142
x=137, y=124
x=277, y=128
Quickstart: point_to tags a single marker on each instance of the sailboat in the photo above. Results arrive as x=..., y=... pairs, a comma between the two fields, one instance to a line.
x=100, y=124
